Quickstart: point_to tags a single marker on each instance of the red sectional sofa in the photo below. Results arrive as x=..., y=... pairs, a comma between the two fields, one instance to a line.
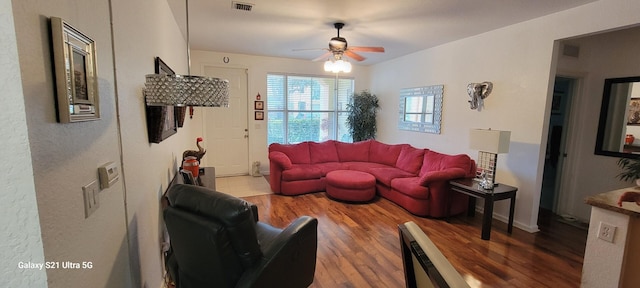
x=416, y=179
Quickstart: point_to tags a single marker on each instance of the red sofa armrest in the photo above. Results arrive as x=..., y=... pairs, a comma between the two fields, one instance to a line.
x=281, y=159
x=442, y=175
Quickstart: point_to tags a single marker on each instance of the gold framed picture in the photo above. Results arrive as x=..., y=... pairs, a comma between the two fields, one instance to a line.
x=74, y=61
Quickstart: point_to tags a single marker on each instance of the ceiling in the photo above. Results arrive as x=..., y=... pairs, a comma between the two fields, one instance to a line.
x=277, y=27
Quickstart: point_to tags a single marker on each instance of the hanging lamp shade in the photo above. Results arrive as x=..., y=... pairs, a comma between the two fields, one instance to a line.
x=186, y=90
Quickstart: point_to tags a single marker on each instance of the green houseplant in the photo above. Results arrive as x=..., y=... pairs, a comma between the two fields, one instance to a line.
x=630, y=169
x=362, y=116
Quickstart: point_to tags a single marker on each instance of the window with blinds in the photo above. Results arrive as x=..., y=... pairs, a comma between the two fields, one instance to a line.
x=307, y=108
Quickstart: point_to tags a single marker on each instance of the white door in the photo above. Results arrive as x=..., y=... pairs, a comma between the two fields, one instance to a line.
x=225, y=129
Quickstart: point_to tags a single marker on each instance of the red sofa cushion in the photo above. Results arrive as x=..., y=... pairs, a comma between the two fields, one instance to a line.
x=434, y=161
x=280, y=159
x=301, y=172
x=384, y=153
x=385, y=175
x=410, y=159
x=353, y=152
x=323, y=152
x=364, y=166
x=330, y=166
x=442, y=175
x=410, y=187
x=298, y=153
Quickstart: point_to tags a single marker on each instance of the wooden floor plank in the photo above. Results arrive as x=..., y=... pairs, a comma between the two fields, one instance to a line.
x=358, y=245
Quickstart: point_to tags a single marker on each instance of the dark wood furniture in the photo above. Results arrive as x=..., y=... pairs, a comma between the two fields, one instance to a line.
x=500, y=192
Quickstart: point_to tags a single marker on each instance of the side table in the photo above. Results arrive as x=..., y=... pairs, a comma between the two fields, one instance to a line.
x=499, y=192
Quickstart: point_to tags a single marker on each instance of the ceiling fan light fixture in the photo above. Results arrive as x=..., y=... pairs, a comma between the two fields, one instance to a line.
x=337, y=66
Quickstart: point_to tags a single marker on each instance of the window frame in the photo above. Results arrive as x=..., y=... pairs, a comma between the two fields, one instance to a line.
x=336, y=111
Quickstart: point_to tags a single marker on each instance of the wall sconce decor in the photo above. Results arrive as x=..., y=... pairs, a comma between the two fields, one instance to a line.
x=478, y=92
x=489, y=144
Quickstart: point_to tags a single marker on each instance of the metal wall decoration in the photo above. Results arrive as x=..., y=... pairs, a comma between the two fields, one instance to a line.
x=421, y=109
x=74, y=59
x=478, y=92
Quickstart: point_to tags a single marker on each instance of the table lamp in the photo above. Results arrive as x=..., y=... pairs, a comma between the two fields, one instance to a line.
x=489, y=144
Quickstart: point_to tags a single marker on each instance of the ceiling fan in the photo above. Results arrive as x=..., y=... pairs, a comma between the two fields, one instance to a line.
x=338, y=48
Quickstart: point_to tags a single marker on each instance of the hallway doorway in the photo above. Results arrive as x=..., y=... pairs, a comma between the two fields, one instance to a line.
x=563, y=92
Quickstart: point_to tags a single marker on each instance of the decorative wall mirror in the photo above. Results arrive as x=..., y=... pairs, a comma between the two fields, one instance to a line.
x=74, y=59
x=421, y=109
x=619, y=126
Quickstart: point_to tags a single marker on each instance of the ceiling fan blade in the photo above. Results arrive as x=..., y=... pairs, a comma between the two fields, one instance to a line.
x=366, y=49
x=323, y=56
x=353, y=55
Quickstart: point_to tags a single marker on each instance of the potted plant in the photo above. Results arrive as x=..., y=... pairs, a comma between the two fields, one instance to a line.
x=362, y=116
x=630, y=169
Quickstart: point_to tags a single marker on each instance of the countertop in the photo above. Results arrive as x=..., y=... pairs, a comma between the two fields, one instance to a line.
x=609, y=201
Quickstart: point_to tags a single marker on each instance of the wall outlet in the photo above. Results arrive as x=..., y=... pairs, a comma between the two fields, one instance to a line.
x=91, y=198
x=606, y=232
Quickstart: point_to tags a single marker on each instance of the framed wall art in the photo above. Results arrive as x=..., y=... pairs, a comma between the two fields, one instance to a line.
x=258, y=105
x=74, y=61
x=259, y=115
x=161, y=120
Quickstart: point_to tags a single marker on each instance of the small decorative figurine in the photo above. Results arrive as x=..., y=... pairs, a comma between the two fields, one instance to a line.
x=195, y=153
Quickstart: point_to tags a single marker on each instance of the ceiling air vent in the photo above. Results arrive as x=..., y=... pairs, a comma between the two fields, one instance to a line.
x=242, y=6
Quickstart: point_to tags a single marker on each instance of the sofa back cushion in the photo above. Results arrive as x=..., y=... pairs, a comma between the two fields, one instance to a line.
x=410, y=159
x=434, y=161
x=323, y=152
x=353, y=152
x=298, y=153
x=384, y=153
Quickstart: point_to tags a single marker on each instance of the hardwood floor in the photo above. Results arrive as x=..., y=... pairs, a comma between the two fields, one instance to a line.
x=358, y=245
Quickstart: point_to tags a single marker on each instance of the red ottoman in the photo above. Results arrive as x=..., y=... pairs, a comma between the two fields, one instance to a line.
x=349, y=185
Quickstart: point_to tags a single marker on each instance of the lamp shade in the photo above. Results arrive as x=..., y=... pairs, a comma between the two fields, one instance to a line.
x=493, y=141
x=186, y=90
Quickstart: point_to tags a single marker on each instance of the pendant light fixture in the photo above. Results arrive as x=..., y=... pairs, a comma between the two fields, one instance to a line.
x=337, y=65
x=186, y=90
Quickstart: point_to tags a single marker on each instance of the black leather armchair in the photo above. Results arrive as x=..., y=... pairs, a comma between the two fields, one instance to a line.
x=218, y=242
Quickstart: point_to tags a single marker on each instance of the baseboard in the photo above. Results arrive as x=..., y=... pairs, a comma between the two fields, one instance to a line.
x=517, y=224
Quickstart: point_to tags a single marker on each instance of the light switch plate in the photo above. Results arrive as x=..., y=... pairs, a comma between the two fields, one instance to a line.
x=91, y=197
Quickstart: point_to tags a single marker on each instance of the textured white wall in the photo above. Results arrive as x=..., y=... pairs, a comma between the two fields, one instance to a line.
x=258, y=67
x=20, y=240
x=144, y=29
x=66, y=157
x=518, y=60
x=603, y=263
